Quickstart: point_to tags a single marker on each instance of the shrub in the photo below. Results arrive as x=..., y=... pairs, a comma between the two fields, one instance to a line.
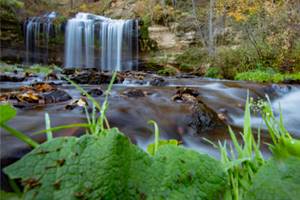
x=191, y=58
x=163, y=15
x=213, y=72
x=228, y=60
x=167, y=71
x=267, y=75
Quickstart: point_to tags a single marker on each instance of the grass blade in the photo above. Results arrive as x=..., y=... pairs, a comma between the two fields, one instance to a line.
x=57, y=128
x=156, y=135
x=48, y=127
x=20, y=135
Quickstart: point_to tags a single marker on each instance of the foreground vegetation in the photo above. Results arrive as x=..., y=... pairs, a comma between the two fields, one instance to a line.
x=103, y=164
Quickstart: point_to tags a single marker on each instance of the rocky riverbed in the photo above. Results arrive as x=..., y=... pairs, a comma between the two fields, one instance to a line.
x=186, y=108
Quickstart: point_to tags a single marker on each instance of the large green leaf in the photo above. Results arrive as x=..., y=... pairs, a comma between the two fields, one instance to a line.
x=151, y=147
x=9, y=196
x=178, y=173
x=7, y=112
x=277, y=180
x=110, y=167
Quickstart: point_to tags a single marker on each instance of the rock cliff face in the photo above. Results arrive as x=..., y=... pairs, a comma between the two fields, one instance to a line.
x=169, y=39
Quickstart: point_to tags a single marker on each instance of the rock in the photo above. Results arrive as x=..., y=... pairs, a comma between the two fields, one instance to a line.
x=4, y=97
x=28, y=97
x=43, y=87
x=82, y=102
x=188, y=95
x=69, y=71
x=158, y=81
x=163, y=36
x=223, y=116
x=187, y=98
x=133, y=75
x=11, y=78
x=52, y=76
x=134, y=93
x=25, y=88
x=94, y=78
x=56, y=96
x=276, y=90
x=190, y=91
x=203, y=118
x=291, y=81
x=95, y=92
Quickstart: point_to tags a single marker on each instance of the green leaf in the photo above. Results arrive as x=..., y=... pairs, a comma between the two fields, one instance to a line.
x=7, y=112
x=110, y=167
x=151, y=147
x=9, y=196
x=277, y=180
x=178, y=173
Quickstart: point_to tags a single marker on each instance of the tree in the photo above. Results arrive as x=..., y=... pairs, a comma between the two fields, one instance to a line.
x=210, y=28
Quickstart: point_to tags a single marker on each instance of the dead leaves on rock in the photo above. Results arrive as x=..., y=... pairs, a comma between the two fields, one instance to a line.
x=37, y=93
x=28, y=97
x=44, y=87
x=187, y=95
x=82, y=102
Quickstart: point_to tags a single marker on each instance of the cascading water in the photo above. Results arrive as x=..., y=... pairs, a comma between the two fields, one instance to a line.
x=289, y=106
x=37, y=31
x=97, y=41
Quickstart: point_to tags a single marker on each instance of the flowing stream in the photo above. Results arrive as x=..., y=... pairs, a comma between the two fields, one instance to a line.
x=175, y=119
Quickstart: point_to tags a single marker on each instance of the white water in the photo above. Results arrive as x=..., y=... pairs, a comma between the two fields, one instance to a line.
x=290, y=107
x=117, y=43
x=33, y=27
x=79, y=40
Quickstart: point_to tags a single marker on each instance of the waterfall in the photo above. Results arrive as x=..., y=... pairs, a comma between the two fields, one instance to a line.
x=79, y=42
x=289, y=106
x=97, y=41
x=37, y=31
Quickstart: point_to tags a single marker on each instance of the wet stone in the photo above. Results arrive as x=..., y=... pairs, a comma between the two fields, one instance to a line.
x=11, y=78
x=133, y=75
x=56, y=96
x=94, y=78
x=276, y=90
x=134, y=93
x=44, y=87
x=203, y=118
x=82, y=102
x=224, y=116
x=52, y=76
x=95, y=92
x=187, y=95
x=291, y=81
x=158, y=81
x=28, y=97
x=69, y=71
